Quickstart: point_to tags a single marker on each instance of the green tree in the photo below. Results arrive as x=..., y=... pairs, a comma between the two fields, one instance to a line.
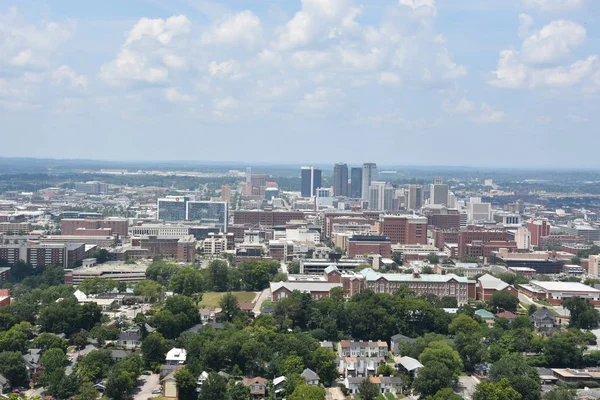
x=161, y=272
x=561, y=394
x=368, y=390
x=462, y=323
x=186, y=384
x=12, y=366
x=154, y=348
x=214, y=387
x=445, y=394
x=186, y=281
x=94, y=365
x=442, y=352
x=306, y=392
x=149, y=289
x=522, y=377
x=433, y=258
x=53, y=359
x=45, y=341
x=178, y=314
x=427, y=270
x=432, y=378
x=583, y=315
x=471, y=348
x=323, y=361
x=292, y=365
x=97, y=285
x=230, y=308
x=218, y=275
x=504, y=301
x=564, y=350
x=87, y=391
x=236, y=390
x=500, y=390
x=385, y=370
x=293, y=268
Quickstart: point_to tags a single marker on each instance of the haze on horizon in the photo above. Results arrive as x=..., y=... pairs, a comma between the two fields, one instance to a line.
x=398, y=82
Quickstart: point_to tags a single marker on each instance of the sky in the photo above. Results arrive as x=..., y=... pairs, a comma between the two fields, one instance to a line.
x=398, y=82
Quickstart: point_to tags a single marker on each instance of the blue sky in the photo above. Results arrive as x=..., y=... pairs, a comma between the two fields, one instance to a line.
x=405, y=82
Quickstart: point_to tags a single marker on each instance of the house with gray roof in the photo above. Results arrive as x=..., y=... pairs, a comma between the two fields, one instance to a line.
x=311, y=377
x=543, y=320
x=396, y=340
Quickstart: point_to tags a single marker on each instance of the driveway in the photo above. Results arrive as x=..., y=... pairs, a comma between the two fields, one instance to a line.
x=264, y=295
x=466, y=386
x=150, y=382
x=526, y=300
x=335, y=393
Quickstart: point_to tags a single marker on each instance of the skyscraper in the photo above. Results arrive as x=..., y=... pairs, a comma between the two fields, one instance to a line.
x=438, y=192
x=415, y=197
x=381, y=196
x=310, y=181
x=356, y=182
x=172, y=208
x=369, y=174
x=340, y=180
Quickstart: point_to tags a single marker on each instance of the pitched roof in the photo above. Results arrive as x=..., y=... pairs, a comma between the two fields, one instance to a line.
x=409, y=363
x=542, y=314
x=310, y=375
x=488, y=281
x=485, y=314
x=3, y=380
x=372, y=275
x=507, y=315
x=304, y=286
x=400, y=337
x=256, y=379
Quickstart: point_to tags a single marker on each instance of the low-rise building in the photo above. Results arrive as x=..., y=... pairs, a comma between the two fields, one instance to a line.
x=362, y=349
x=487, y=285
x=176, y=356
x=318, y=290
x=258, y=387
x=130, y=273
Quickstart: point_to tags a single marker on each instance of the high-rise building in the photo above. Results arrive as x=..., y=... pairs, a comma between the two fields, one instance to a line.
x=538, y=228
x=369, y=174
x=248, y=175
x=172, y=208
x=310, y=181
x=415, y=197
x=478, y=211
x=356, y=182
x=404, y=229
x=381, y=196
x=340, y=180
x=92, y=187
x=209, y=213
x=438, y=192
x=226, y=193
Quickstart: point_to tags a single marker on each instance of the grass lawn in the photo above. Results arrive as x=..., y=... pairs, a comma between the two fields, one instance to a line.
x=211, y=299
x=267, y=303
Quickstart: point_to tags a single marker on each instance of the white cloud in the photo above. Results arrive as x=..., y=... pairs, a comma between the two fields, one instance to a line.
x=159, y=29
x=369, y=60
x=270, y=58
x=321, y=98
x=226, y=69
x=451, y=70
x=242, y=29
x=421, y=8
x=554, y=5
x=225, y=103
x=310, y=59
x=525, y=24
x=149, y=52
x=174, y=61
x=489, y=115
x=26, y=45
x=131, y=66
x=318, y=19
x=553, y=42
x=389, y=78
x=529, y=68
x=173, y=95
x=66, y=75
x=463, y=106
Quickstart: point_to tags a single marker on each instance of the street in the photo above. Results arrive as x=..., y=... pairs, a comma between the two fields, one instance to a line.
x=150, y=382
x=264, y=295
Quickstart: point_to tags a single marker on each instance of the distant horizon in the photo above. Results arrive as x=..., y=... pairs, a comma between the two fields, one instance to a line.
x=323, y=165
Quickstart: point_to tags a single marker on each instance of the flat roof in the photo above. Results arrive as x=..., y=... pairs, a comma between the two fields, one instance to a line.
x=564, y=286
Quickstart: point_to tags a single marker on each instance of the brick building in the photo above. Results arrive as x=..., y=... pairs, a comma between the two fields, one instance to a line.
x=538, y=229
x=443, y=236
x=484, y=249
x=404, y=229
x=254, y=218
x=487, y=285
x=472, y=234
x=365, y=244
x=180, y=248
x=119, y=226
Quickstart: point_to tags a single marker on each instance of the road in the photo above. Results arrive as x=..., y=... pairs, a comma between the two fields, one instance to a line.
x=265, y=295
x=526, y=300
x=150, y=382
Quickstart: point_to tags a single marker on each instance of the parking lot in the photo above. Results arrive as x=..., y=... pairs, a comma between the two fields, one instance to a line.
x=149, y=384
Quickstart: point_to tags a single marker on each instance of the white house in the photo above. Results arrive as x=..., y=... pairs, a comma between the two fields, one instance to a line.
x=176, y=356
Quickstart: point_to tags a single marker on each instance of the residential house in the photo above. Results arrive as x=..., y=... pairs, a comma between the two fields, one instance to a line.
x=4, y=385
x=408, y=365
x=396, y=340
x=32, y=361
x=487, y=316
x=119, y=355
x=201, y=379
x=205, y=315
x=169, y=384
x=385, y=384
x=257, y=385
x=311, y=377
x=131, y=339
x=543, y=320
x=327, y=345
x=176, y=356
x=363, y=349
x=359, y=366
x=508, y=315
x=279, y=384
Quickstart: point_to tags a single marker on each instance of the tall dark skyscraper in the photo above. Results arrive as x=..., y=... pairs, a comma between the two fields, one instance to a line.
x=355, y=182
x=340, y=180
x=310, y=181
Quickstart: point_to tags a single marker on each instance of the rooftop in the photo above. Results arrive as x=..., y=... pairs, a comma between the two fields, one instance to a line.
x=564, y=287
x=371, y=275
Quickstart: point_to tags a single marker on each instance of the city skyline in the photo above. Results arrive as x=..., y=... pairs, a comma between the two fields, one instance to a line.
x=472, y=83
